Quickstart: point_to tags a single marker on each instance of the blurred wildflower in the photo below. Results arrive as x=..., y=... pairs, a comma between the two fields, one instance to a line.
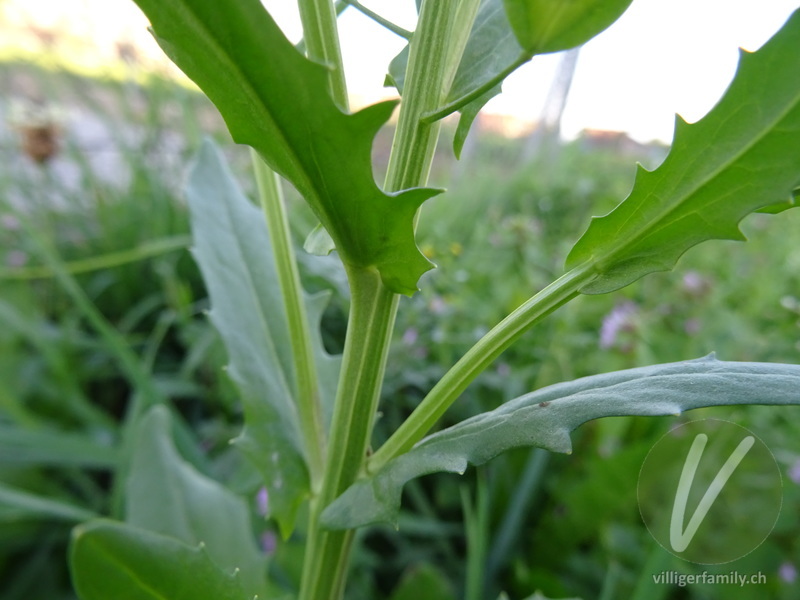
x=16, y=258
x=794, y=471
x=692, y=326
x=788, y=572
x=10, y=223
x=268, y=542
x=456, y=249
x=503, y=369
x=410, y=336
x=621, y=319
x=262, y=501
x=694, y=284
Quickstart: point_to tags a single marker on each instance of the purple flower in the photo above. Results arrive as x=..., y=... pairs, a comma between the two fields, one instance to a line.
x=268, y=542
x=621, y=318
x=788, y=572
x=262, y=501
x=794, y=471
x=410, y=336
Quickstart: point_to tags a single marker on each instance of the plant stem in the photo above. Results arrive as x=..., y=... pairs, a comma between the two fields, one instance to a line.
x=373, y=307
x=308, y=397
x=475, y=361
x=321, y=37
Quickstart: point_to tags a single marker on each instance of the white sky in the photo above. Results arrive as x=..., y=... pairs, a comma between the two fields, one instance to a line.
x=662, y=57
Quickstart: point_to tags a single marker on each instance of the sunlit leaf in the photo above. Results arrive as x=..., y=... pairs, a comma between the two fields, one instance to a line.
x=110, y=560
x=277, y=101
x=546, y=417
x=234, y=254
x=739, y=158
x=543, y=26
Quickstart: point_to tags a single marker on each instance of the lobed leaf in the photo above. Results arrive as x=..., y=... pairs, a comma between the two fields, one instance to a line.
x=545, y=418
x=277, y=101
x=233, y=251
x=738, y=159
x=113, y=560
x=166, y=494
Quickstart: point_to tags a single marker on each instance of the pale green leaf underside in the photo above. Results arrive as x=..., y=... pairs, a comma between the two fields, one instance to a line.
x=277, y=101
x=743, y=156
x=234, y=254
x=110, y=560
x=166, y=494
x=546, y=417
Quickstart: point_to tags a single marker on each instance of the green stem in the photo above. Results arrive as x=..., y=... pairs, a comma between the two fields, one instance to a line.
x=396, y=29
x=308, y=397
x=432, y=63
x=372, y=312
x=321, y=37
x=442, y=111
x=476, y=360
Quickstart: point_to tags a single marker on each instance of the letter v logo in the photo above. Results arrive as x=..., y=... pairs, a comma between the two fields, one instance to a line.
x=680, y=539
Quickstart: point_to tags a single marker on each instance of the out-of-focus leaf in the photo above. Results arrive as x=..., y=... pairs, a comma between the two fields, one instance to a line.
x=18, y=504
x=543, y=26
x=546, y=417
x=233, y=251
x=165, y=494
x=110, y=560
x=54, y=448
x=277, y=101
x=739, y=158
x=423, y=582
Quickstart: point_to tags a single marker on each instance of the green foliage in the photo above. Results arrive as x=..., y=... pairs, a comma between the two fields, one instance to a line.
x=112, y=403
x=545, y=417
x=165, y=494
x=281, y=112
x=112, y=560
x=719, y=170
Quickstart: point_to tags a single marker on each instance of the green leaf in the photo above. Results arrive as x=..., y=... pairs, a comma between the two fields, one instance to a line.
x=546, y=417
x=50, y=447
x=16, y=504
x=497, y=47
x=166, y=494
x=235, y=257
x=423, y=582
x=110, y=560
x=277, y=101
x=739, y=158
x=543, y=26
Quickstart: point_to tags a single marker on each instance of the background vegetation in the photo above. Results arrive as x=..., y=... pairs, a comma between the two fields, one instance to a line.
x=97, y=234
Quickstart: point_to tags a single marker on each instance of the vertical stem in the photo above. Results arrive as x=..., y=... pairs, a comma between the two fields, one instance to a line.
x=432, y=63
x=321, y=37
x=308, y=398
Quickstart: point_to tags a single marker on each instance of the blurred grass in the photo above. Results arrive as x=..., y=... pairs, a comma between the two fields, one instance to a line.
x=109, y=206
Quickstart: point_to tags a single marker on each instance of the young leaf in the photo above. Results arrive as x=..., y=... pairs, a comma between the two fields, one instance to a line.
x=277, y=101
x=506, y=35
x=233, y=251
x=543, y=26
x=166, y=494
x=739, y=158
x=545, y=418
x=112, y=560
